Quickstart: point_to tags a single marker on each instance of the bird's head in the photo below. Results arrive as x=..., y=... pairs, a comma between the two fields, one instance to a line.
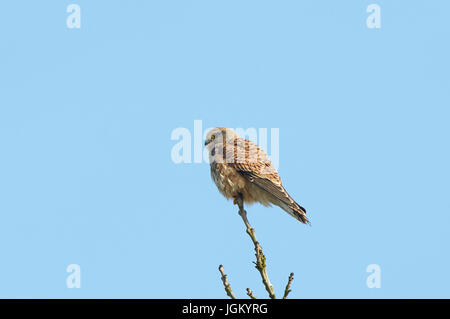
x=218, y=135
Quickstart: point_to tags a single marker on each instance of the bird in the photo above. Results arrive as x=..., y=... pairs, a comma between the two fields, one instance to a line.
x=242, y=171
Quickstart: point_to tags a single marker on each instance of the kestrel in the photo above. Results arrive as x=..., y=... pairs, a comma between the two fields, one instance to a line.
x=243, y=172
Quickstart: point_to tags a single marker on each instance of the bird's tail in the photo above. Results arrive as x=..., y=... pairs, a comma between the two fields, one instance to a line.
x=295, y=210
x=299, y=213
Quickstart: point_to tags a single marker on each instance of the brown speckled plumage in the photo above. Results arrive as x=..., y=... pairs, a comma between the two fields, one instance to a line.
x=240, y=168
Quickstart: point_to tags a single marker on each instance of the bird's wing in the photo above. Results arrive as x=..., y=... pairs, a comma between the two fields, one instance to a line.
x=253, y=163
x=269, y=185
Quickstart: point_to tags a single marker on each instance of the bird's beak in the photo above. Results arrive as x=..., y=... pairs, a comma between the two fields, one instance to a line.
x=207, y=142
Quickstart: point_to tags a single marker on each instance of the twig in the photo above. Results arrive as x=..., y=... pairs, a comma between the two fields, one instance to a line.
x=250, y=293
x=288, y=286
x=260, y=264
x=226, y=284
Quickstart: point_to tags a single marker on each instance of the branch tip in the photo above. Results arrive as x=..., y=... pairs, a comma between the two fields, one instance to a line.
x=226, y=284
x=250, y=294
x=287, y=290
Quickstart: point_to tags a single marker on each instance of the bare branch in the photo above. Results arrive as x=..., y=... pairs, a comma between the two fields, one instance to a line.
x=226, y=284
x=260, y=263
x=260, y=258
x=288, y=286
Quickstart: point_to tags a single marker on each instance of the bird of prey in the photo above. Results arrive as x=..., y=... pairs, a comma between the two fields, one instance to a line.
x=243, y=172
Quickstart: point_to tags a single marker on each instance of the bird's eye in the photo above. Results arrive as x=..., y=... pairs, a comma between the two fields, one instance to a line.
x=213, y=137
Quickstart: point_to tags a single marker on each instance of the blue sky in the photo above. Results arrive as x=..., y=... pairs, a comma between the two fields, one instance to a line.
x=86, y=175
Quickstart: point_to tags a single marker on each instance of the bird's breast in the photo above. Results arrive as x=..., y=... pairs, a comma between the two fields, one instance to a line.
x=229, y=182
